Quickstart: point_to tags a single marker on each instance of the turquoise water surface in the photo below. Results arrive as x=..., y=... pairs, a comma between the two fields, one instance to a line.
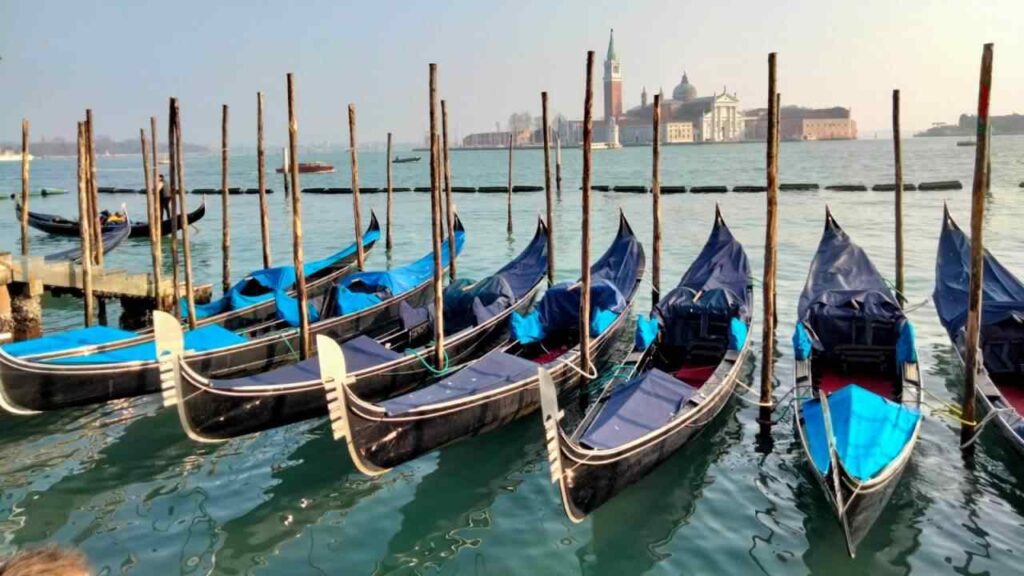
x=123, y=483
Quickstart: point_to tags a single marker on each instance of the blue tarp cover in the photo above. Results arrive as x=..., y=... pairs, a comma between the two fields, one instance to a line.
x=494, y=370
x=906, y=346
x=844, y=292
x=869, y=430
x=737, y=333
x=802, y=345
x=646, y=332
x=67, y=340
x=559, y=309
x=637, y=407
x=198, y=340
x=262, y=284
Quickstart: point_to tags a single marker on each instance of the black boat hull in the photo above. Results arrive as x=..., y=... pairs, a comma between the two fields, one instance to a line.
x=59, y=226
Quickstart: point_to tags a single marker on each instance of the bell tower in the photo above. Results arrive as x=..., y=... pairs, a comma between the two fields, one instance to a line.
x=612, y=81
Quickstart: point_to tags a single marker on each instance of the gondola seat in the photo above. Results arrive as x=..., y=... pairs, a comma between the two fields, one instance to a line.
x=638, y=407
x=492, y=371
x=869, y=431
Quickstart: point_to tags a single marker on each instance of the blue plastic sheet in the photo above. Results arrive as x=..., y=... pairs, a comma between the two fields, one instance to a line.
x=802, y=344
x=527, y=329
x=559, y=309
x=646, y=332
x=737, y=333
x=601, y=320
x=198, y=340
x=906, y=345
x=67, y=340
x=869, y=431
x=288, y=309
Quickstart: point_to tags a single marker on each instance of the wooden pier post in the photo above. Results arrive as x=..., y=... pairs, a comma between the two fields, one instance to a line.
x=510, y=137
x=151, y=210
x=94, y=211
x=261, y=166
x=173, y=182
x=387, y=240
x=973, y=361
x=305, y=347
x=558, y=164
x=225, y=243
x=549, y=215
x=770, y=250
x=186, y=247
x=24, y=187
x=449, y=208
x=357, y=217
x=435, y=222
x=656, y=204
x=84, y=221
x=898, y=153
x=156, y=235
x=586, y=366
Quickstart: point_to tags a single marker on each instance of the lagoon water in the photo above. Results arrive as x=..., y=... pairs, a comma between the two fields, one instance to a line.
x=122, y=482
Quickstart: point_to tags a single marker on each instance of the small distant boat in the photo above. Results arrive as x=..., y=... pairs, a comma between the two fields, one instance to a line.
x=60, y=226
x=400, y=160
x=117, y=227
x=966, y=143
x=15, y=156
x=311, y=168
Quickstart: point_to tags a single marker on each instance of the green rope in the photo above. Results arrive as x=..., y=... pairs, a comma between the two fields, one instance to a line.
x=436, y=372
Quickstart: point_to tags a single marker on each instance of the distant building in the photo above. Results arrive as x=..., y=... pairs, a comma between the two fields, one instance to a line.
x=685, y=117
x=797, y=123
x=968, y=126
x=496, y=139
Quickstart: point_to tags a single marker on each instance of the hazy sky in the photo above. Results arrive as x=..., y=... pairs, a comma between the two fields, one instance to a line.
x=124, y=59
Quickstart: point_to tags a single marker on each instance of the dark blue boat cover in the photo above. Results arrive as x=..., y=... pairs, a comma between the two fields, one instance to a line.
x=492, y=371
x=1002, y=314
x=844, y=293
x=636, y=408
x=260, y=286
x=715, y=285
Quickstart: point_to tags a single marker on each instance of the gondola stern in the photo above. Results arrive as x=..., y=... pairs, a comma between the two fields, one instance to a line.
x=551, y=416
x=6, y=404
x=335, y=380
x=170, y=346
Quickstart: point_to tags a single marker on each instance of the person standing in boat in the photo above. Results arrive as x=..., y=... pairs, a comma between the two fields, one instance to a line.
x=164, y=192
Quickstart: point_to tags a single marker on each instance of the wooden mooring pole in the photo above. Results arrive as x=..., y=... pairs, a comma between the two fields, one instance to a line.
x=558, y=164
x=973, y=360
x=898, y=161
x=261, y=166
x=449, y=207
x=186, y=247
x=84, y=222
x=94, y=211
x=156, y=219
x=287, y=170
x=173, y=180
x=586, y=366
x=225, y=221
x=509, y=195
x=292, y=161
x=770, y=250
x=656, y=204
x=435, y=221
x=24, y=187
x=151, y=210
x=387, y=235
x=549, y=204
x=357, y=217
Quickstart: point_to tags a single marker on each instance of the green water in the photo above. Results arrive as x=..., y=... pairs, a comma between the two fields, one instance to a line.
x=122, y=483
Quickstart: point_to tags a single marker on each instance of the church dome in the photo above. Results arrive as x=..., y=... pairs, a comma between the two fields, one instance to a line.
x=685, y=91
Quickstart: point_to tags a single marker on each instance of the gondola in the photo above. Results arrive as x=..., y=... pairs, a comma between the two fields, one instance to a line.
x=999, y=381
x=385, y=363
x=858, y=384
x=60, y=226
x=97, y=364
x=689, y=354
x=494, y=390
x=113, y=236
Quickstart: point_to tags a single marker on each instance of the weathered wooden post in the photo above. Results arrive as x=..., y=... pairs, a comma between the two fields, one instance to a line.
x=179, y=166
x=225, y=243
x=387, y=241
x=261, y=166
x=156, y=219
x=357, y=217
x=300, y=273
x=978, y=192
x=94, y=211
x=449, y=208
x=286, y=165
x=151, y=211
x=656, y=204
x=510, y=140
x=548, y=200
x=586, y=366
x=84, y=222
x=771, y=230
x=898, y=153
x=24, y=187
x=558, y=163
x=435, y=222
x=173, y=181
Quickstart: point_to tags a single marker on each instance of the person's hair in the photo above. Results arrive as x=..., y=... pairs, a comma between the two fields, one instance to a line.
x=46, y=561
x=161, y=176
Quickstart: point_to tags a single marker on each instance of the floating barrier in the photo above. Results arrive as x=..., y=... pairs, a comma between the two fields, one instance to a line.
x=526, y=188
x=600, y=188
x=892, y=187
x=231, y=191
x=673, y=189
x=847, y=188
x=44, y=193
x=489, y=189
x=797, y=187
x=464, y=189
x=401, y=189
x=941, y=185
x=749, y=189
x=631, y=189
x=421, y=189
x=709, y=189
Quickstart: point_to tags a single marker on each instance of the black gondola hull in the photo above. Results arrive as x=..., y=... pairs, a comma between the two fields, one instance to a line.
x=59, y=226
